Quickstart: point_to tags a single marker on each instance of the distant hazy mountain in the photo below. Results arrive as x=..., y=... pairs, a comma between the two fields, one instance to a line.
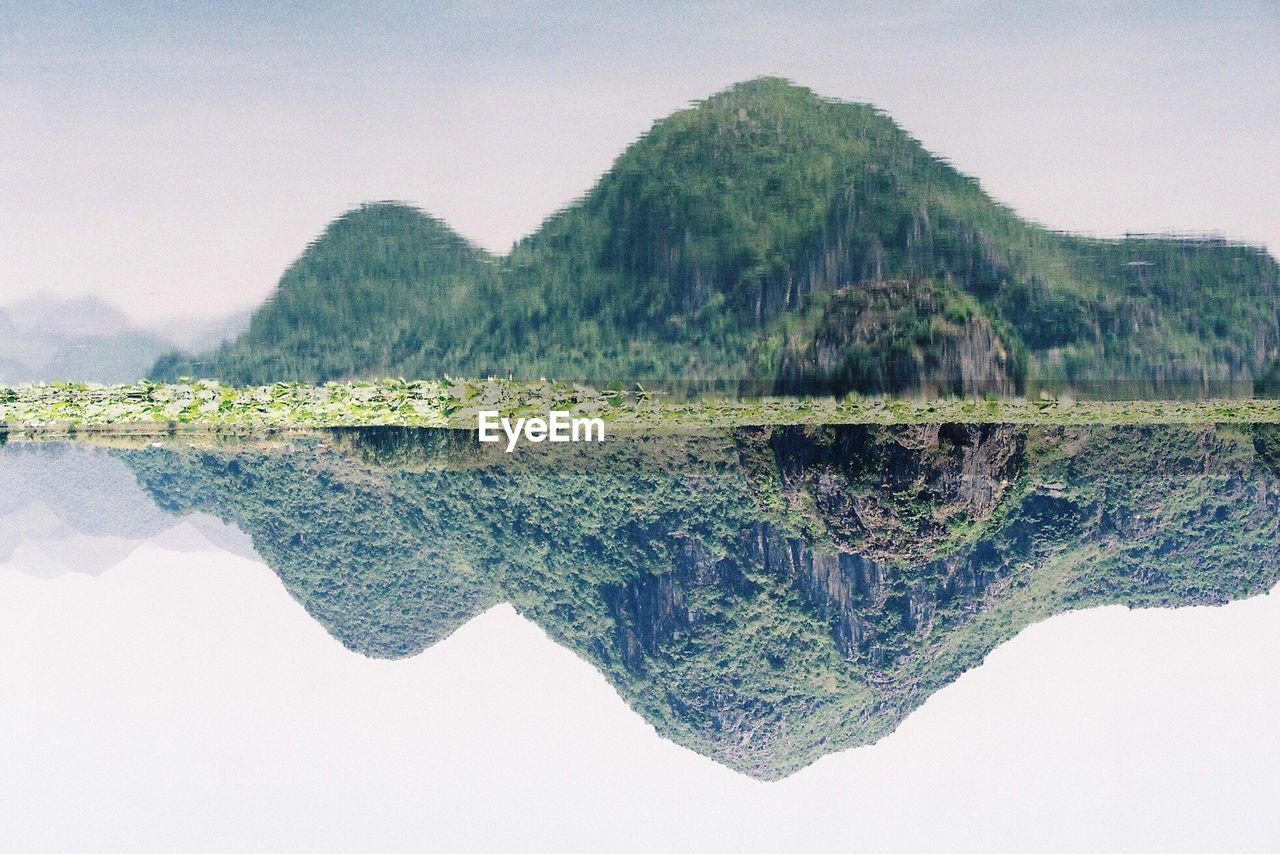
x=80, y=339
x=770, y=237
x=72, y=508
x=86, y=340
x=205, y=333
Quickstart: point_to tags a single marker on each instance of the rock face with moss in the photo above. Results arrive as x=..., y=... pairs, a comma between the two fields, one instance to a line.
x=764, y=596
x=894, y=336
x=769, y=239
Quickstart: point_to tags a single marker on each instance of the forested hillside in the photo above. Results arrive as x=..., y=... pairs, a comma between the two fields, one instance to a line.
x=767, y=239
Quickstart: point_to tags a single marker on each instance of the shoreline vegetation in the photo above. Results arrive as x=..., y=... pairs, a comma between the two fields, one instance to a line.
x=200, y=406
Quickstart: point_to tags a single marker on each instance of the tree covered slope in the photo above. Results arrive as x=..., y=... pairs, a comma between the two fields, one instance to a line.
x=772, y=240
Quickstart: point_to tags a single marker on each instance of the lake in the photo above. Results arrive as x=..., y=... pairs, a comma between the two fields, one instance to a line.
x=769, y=638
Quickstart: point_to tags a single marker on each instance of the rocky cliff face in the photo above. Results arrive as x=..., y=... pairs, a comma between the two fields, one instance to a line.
x=1009, y=526
x=894, y=493
x=898, y=336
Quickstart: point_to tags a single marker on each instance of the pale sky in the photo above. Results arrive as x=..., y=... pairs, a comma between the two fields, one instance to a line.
x=184, y=700
x=174, y=158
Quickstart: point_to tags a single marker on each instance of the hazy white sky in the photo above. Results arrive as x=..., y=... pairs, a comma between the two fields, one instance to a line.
x=175, y=157
x=185, y=701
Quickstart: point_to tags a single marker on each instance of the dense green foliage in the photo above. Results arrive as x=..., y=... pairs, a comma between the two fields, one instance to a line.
x=763, y=596
x=207, y=407
x=725, y=233
x=354, y=304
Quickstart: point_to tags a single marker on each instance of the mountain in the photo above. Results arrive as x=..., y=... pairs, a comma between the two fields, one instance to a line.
x=200, y=332
x=74, y=508
x=772, y=240
x=362, y=301
x=83, y=340
x=86, y=340
x=764, y=596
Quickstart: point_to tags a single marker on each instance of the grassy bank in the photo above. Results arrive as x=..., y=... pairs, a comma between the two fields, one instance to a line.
x=455, y=403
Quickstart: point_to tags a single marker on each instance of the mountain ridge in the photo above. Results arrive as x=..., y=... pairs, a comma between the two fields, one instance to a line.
x=86, y=339
x=719, y=243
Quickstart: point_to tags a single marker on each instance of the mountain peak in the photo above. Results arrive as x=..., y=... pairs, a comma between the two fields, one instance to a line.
x=776, y=98
x=77, y=315
x=766, y=86
x=391, y=217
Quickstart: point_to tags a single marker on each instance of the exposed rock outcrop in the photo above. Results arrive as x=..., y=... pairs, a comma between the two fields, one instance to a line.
x=898, y=336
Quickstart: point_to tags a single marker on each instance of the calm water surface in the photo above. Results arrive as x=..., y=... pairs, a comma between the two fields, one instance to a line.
x=566, y=644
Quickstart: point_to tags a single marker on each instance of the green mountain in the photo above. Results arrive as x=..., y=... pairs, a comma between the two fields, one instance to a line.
x=772, y=240
x=763, y=596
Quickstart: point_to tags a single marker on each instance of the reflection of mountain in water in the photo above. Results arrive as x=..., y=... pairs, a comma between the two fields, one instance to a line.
x=70, y=508
x=763, y=597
